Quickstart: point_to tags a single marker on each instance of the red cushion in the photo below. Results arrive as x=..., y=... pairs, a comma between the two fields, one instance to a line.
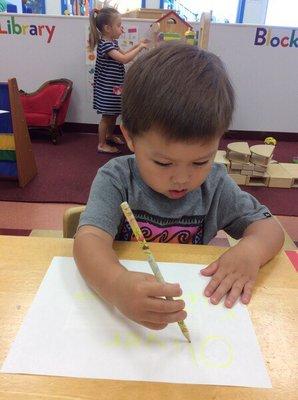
x=43, y=101
x=39, y=107
x=37, y=119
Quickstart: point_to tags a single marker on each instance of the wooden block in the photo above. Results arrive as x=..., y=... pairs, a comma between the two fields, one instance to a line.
x=263, y=150
x=248, y=166
x=292, y=169
x=238, y=151
x=239, y=147
x=261, y=153
x=258, y=160
x=258, y=173
x=236, y=165
x=258, y=180
x=238, y=178
x=246, y=172
x=279, y=176
x=237, y=157
x=260, y=168
x=220, y=158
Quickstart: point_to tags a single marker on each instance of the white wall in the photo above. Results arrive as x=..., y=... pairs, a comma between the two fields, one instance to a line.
x=33, y=61
x=151, y=4
x=282, y=12
x=264, y=77
x=255, y=11
x=53, y=7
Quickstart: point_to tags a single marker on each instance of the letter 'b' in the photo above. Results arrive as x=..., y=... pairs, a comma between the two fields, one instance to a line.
x=260, y=38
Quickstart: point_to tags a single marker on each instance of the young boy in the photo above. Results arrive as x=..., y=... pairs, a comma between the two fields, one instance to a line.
x=177, y=103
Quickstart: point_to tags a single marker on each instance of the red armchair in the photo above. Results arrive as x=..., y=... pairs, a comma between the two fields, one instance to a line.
x=46, y=108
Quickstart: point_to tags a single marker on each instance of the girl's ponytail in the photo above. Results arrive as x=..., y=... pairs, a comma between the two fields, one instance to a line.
x=94, y=34
x=98, y=19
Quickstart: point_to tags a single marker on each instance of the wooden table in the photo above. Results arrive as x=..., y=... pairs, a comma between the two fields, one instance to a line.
x=24, y=262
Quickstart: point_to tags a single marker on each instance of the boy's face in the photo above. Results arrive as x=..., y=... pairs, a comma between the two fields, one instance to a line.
x=172, y=168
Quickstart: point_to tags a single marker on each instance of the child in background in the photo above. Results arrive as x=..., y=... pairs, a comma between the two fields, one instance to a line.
x=177, y=102
x=105, y=29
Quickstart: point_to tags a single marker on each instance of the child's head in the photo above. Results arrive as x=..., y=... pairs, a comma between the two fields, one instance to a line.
x=180, y=89
x=177, y=101
x=104, y=22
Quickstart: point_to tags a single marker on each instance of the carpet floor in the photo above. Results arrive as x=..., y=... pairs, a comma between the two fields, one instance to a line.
x=66, y=171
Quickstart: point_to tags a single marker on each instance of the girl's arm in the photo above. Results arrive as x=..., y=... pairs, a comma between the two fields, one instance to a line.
x=128, y=56
x=143, y=41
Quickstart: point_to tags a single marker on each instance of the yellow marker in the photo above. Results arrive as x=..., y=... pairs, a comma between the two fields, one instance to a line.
x=153, y=264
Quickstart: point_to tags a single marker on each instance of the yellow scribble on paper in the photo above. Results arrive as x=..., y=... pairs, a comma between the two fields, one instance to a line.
x=83, y=296
x=132, y=340
x=192, y=353
x=152, y=338
x=210, y=342
x=205, y=300
x=229, y=314
x=181, y=346
x=194, y=298
x=116, y=339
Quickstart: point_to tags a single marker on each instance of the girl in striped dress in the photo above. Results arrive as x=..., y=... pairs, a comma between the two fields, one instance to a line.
x=105, y=29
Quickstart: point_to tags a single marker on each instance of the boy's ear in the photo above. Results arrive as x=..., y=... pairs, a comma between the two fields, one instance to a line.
x=128, y=138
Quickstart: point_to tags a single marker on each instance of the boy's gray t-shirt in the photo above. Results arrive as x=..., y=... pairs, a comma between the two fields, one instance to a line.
x=195, y=219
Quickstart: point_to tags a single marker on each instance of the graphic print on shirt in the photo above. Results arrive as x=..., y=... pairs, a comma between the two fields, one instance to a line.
x=183, y=230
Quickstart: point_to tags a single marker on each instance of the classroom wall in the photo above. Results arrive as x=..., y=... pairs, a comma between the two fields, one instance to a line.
x=53, y=7
x=34, y=59
x=255, y=11
x=263, y=76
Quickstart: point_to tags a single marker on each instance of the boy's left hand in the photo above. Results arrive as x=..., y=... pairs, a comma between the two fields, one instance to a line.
x=234, y=274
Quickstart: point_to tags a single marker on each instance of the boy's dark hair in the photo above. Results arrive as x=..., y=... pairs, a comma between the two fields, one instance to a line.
x=179, y=89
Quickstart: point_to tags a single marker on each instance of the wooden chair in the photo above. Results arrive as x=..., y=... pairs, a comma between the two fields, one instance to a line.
x=71, y=219
x=46, y=108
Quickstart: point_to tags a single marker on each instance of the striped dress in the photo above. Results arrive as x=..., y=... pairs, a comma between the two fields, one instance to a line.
x=108, y=80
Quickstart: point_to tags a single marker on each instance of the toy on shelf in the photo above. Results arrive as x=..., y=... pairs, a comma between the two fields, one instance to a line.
x=153, y=33
x=190, y=36
x=253, y=166
x=171, y=27
x=270, y=140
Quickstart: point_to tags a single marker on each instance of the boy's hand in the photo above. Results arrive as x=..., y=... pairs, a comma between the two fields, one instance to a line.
x=234, y=274
x=139, y=296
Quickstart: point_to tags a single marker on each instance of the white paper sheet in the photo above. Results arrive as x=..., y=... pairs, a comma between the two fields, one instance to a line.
x=69, y=331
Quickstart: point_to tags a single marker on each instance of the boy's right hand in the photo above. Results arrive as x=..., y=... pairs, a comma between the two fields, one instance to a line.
x=139, y=297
